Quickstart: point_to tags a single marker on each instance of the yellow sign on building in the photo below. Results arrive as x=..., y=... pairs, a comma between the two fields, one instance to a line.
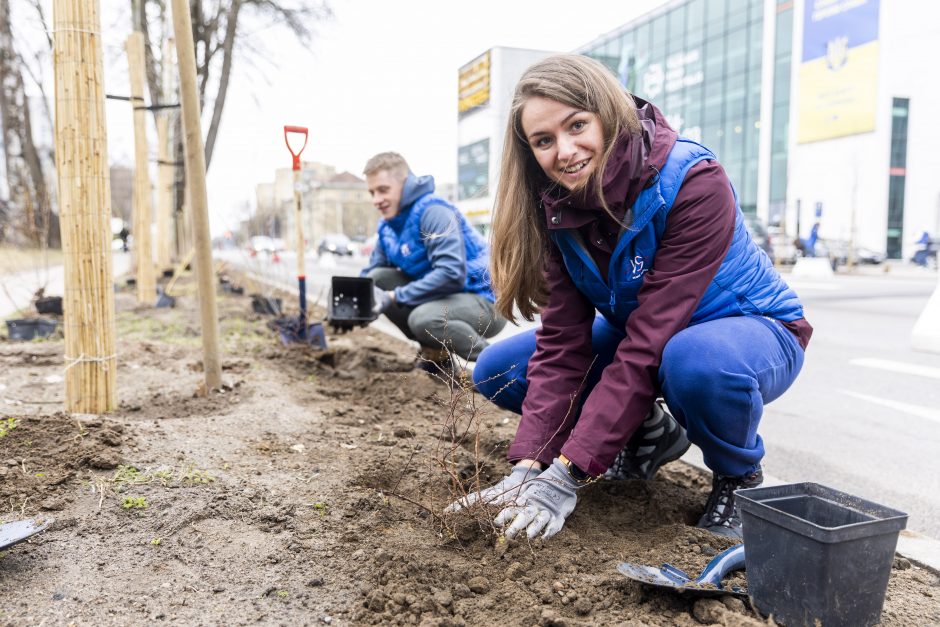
x=839, y=69
x=474, y=84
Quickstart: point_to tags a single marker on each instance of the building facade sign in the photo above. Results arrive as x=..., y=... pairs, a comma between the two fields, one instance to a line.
x=474, y=84
x=473, y=170
x=839, y=69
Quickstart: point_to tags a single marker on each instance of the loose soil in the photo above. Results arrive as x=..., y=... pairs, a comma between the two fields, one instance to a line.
x=310, y=491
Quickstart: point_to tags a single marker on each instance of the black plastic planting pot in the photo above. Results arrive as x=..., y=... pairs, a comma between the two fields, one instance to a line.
x=267, y=305
x=28, y=328
x=49, y=305
x=817, y=556
x=350, y=303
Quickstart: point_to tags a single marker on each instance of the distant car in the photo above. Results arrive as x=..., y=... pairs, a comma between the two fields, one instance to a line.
x=262, y=244
x=759, y=234
x=838, y=253
x=784, y=246
x=335, y=243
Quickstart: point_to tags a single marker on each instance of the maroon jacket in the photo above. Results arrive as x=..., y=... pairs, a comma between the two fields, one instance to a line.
x=698, y=233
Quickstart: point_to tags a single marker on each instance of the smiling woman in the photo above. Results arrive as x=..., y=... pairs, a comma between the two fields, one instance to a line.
x=629, y=240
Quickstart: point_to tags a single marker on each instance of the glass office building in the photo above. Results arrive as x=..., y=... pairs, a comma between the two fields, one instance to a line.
x=700, y=63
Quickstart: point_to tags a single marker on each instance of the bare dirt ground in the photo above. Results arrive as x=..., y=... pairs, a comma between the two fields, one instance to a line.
x=309, y=491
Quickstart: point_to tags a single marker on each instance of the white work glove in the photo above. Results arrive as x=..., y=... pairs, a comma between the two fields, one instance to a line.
x=544, y=504
x=502, y=493
x=381, y=301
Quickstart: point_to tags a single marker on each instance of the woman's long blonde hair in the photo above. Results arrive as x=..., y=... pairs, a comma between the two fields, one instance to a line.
x=519, y=237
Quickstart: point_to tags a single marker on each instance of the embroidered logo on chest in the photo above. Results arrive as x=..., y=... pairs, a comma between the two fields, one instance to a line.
x=638, y=265
x=405, y=250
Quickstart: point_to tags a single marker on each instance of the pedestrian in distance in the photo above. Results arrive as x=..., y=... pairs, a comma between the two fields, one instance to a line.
x=429, y=266
x=630, y=242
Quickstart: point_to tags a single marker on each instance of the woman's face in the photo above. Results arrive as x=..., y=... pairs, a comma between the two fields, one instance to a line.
x=567, y=142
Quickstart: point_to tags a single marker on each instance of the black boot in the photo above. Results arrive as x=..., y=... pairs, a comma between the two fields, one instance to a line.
x=659, y=440
x=722, y=515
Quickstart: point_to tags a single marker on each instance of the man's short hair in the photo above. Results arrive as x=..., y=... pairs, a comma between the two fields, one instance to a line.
x=393, y=162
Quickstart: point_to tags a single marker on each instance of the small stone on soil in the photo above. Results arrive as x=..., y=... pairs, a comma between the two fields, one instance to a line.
x=444, y=597
x=583, y=606
x=708, y=611
x=515, y=571
x=480, y=585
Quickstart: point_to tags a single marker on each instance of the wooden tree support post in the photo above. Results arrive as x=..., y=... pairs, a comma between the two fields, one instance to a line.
x=143, y=192
x=164, y=193
x=84, y=191
x=196, y=179
x=165, y=168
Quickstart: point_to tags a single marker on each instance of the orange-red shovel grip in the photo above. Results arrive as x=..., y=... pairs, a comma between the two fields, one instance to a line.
x=295, y=129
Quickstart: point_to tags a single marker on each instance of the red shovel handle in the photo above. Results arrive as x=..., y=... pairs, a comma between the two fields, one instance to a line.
x=296, y=156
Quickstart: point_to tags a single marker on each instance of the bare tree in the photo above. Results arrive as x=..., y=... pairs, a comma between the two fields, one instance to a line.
x=27, y=189
x=217, y=26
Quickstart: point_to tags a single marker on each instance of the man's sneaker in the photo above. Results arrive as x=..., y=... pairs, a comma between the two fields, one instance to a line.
x=659, y=440
x=722, y=515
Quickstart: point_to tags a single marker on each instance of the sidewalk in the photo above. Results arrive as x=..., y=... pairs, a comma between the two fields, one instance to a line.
x=891, y=267
x=17, y=289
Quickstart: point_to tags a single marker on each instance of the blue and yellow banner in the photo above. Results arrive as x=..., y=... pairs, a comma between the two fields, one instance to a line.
x=839, y=69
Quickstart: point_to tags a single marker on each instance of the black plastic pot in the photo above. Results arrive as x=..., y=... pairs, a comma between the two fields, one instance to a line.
x=817, y=556
x=350, y=302
x=266, y=305
x=49, y=305
x=29, y=328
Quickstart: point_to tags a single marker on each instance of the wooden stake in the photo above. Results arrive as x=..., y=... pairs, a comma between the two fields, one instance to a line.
x=165, y=170
x=196, y=181
x=84, y=190
x=164, y=192
x=143, y=203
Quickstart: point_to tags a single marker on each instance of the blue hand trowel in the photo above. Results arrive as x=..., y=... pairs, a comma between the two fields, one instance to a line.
x=708, y=583
x=15, y=532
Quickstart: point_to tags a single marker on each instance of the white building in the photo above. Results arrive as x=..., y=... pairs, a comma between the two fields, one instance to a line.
x=486, y=86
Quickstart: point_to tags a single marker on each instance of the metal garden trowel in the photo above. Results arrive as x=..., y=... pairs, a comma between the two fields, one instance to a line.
x=708, y=583
x=15, y=532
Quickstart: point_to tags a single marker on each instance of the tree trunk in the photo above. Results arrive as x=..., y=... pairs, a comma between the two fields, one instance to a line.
x=27, y=190
x=228, y=46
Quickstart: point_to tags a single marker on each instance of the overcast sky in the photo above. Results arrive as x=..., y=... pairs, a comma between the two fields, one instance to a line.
x=381, y=75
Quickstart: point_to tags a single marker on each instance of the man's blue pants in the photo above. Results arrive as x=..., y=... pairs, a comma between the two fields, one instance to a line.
x=715, y=377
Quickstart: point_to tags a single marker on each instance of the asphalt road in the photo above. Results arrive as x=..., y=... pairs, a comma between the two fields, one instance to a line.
x=864, y=415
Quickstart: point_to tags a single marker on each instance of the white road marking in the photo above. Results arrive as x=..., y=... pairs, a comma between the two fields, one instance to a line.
x=906, y=408
x=811, y=285
x=896, y=366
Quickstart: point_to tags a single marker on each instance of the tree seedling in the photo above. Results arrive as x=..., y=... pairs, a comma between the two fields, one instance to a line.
x=134, y=502
x=7, y=425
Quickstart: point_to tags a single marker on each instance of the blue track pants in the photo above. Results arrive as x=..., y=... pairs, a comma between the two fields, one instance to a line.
x=715, y=377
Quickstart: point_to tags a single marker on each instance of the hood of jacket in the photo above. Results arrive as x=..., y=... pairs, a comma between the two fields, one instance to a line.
x=414, y=188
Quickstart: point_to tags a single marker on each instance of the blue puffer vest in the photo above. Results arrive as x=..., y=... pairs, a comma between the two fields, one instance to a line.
x=746, y=283
x=407, y=250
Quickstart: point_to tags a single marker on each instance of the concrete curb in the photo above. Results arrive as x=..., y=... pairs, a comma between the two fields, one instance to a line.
x=918, y=548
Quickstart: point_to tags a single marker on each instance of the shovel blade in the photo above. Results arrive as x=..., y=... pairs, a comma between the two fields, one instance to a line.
x=653, y=576
x=15, y=532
